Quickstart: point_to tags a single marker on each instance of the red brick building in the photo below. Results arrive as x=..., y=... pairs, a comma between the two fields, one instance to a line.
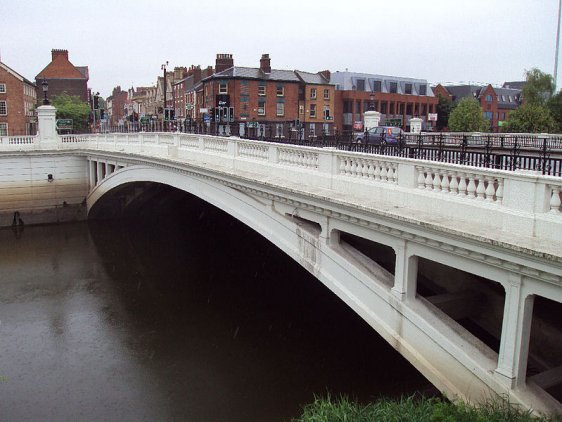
x=63, y=77
x=398, y=99
x=17, y=103
x=496, y=103
x=117, y=100
x=266, y=101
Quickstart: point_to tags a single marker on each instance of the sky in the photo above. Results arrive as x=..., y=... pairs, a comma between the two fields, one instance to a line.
x=125, y=42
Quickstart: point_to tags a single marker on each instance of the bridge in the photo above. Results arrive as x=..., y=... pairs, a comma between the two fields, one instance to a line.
x=459, y=268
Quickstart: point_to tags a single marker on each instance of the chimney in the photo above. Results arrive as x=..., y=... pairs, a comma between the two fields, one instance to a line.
x=265, y=63
x=325, y=74
x=56, y=53
x=223, y=62
x=180, y=73
x=196, y=72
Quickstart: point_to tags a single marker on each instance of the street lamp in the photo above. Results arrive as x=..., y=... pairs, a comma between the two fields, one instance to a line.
x=372, y=102
x=45, y=86
x=163, y=67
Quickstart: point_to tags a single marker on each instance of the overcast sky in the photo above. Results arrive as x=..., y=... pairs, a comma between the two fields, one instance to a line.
x=124, y=42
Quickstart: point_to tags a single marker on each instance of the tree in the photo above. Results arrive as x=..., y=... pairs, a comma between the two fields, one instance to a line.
x=539, y=87
x=530, y=118
x=72, y=107
x=555, y=107
x=468, y=117
x=444, y=108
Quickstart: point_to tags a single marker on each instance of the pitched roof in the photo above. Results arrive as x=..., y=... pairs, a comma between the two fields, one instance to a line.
x=256, y=73
x=312, y=78
x=60, y=68
x=16, y=74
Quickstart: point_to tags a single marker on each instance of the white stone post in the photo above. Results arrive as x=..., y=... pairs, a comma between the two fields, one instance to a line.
x=415, y=125
x=46, y=126
x=405, y=273
x=372, y=119
x=516, y=330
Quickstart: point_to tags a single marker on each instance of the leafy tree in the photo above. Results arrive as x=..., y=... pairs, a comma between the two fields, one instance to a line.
x=539, y=87
x=555, y=107
x=72, y=107
x=468, y=117
x=444, y=108
x=530, y=118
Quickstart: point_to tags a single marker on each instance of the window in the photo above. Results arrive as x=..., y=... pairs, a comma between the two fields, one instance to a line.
x=423, y=89
x=503, y=98
x=312, y=130
x=261, y=108
x=280, y=90
x=408, y=88
x=488, y=115
x=280, y=109
x=261, y=90
x=312, y=93
x=312, y=110
x=393, y=87
x=301, y=109
x=223, y=88
x=360, y=84
x=2, y=88
x=489, y=98
x=327, y=113
x=503, y=116
x=3, y=129
x=279, y=130
x=3, y=108
x=377, y=86
x=326, y=94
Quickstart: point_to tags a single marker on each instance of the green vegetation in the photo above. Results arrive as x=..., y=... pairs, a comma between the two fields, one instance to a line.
x=72, y=107
x=531, y=118
x=444, y=109
x=539, y=87
x=468, y=117
x=414, y=409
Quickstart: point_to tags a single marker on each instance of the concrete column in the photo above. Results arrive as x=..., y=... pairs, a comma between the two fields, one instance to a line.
x=99, y=173
x=372, y=119
x=405, y=273
x=415, y=125
x=46, y=126
x=516, y=330
x=92, y=173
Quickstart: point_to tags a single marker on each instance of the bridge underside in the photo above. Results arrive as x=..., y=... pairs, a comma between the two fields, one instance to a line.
x=446, y=310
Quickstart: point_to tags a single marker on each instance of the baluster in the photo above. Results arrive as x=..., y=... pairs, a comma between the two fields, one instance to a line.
x=555, y=200
x=377, y=170
x=462, y=184
x=471, y=188
x=490, y=189
x=384, y=172
x=480, y=189
x=429, y=179
x=343, y=162
x=371, y=171
x=445, y=183
x=454, y=185
x=394, y=174
x=499, y=191
x=421, y=177
x=437, y=181
x=348, y=166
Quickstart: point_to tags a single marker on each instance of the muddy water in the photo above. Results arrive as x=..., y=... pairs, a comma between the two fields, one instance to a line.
x=185, y=316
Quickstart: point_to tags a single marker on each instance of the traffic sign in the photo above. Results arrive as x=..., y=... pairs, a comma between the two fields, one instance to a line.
x=65, y=124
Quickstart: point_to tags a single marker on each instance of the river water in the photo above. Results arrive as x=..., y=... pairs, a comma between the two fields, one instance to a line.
x=184, y=315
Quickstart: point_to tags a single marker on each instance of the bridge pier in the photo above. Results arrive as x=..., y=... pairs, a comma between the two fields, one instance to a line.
x=405, y=274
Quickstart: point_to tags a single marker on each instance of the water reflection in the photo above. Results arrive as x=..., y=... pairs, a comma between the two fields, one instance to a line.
x=189, y=316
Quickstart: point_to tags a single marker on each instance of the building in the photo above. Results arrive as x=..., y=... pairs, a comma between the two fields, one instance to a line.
x=116, y=106
x=63, y=77
x=18, y=97
x=267, y=102
x=496, y=103
x=397, y=99
x=184, y=92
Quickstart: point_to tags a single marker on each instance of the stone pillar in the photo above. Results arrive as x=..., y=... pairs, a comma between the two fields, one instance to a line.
x=92, y=173
x=372, y=119
x=415, y=125
x=405, y=273
x=516, y=330
x=46, y=126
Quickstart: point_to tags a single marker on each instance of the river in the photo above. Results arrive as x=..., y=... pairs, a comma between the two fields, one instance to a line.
x=178, y=315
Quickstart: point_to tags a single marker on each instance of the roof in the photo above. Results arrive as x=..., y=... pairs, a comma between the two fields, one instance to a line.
x=15, y=74
x=312, y=78
x=255, y=73
x=514, y=84
x=60, y=68
x=463, y=91
x=348, y=81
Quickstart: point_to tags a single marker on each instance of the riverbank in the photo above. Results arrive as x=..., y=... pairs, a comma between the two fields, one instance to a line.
x=415, y=409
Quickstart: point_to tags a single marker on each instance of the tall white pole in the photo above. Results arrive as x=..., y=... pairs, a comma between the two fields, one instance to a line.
x=557, y=45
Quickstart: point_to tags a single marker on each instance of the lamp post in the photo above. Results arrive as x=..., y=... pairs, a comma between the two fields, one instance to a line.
x=165, y=88
x=45, y=86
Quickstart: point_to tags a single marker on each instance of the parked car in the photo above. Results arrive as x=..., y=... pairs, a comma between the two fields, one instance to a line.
x=379, y=135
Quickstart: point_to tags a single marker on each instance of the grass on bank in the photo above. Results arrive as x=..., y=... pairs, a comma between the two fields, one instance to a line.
x=415, y=409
